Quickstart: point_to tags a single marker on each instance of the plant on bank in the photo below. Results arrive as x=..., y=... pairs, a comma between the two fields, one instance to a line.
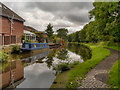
x=15, y=49
x=3, y=56
x=65, y=66
x=61, y=67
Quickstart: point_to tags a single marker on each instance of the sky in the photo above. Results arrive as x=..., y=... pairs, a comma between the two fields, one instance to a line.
x=70, y=15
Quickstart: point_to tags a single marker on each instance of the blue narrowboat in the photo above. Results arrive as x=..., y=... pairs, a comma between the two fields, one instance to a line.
x=34, y=46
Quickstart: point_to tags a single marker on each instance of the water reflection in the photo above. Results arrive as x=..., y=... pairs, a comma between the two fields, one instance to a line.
x=82, y=50
x=38, y=68
x=12, y=71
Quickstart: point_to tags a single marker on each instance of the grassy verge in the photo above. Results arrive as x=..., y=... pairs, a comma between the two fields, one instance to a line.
x=104, y=44
x=61, y=80
x=114, y=74
x=78, y=73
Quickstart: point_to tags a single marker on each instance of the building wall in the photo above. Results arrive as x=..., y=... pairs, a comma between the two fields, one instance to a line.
x=17, y=28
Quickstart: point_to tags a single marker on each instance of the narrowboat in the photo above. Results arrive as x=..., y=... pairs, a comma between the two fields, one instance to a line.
x=34, y=46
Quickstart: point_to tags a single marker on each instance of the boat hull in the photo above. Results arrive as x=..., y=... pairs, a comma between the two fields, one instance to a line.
x=34, y=46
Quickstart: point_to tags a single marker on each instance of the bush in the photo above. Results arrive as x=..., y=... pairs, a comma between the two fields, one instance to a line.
x=27, y=41
x=62, y=67
x=112, y=43
x=15, y=49
x=23, y=37
x=3, y=56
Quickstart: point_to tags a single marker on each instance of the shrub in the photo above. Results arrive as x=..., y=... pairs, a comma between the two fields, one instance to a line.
x=27, y=40
x=62, y=67
x=3, y=56
x=15, y=49
x=23, y=37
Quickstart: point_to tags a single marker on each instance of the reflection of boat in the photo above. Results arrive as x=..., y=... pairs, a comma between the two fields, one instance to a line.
x=34, y=58
x=13, y=74
x=34, y=46
x=53, y=45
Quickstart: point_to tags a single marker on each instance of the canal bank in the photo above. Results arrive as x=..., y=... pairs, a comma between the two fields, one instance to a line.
x=42, y=67
x=79, y=73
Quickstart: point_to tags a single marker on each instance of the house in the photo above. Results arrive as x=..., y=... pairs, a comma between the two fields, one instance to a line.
x=11, y=26
x=29, y=33
x=33, y=34
x=29, y=28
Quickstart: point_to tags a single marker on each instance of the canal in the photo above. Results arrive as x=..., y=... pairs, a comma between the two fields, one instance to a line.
x=39, y=69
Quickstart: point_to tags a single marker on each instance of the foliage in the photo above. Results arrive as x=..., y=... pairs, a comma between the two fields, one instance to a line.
x=49, y=31
x=82, y=48
x=114, y=75
x=105, y=26
x=61, y=67
x=62, y=33
x=62, y=54
x=23, y=37
x=3, y=56
x=116, y=46
x=98, y=54
x=27, y=40
x=39, y=37
x=56, y=39
x=15, y=49
x=4, y=65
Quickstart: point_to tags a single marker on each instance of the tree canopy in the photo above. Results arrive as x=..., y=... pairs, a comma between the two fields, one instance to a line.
x=62, y=33
x=49, y=31
x=105, y=27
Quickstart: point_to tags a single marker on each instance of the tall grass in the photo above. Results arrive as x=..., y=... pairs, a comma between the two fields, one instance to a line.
x=78, y=73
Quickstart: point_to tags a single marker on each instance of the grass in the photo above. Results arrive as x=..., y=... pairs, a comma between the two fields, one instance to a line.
x=114, y=79
x=104, y=44
x=78, y=73
x=61, y=80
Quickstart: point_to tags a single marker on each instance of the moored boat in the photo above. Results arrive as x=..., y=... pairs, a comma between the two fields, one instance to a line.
x=34, y=46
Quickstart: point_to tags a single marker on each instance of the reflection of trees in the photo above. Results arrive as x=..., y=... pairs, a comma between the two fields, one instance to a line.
x=81, y=50
x=62, y=54
x=50, y=56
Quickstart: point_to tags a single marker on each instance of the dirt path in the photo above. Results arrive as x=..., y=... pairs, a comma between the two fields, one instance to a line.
x=98, y=76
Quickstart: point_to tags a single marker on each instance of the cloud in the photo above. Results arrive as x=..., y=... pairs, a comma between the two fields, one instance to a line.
x=60, y=14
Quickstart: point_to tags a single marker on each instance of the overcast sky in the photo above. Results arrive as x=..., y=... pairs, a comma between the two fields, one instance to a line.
x=70, y=15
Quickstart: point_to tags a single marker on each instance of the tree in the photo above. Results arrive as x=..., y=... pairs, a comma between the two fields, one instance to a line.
x=49, y=31
x=39, y=37
x=62, y=33
x=105, y=27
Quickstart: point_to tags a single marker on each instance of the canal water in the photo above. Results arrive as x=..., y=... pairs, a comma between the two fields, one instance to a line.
x=38, y=69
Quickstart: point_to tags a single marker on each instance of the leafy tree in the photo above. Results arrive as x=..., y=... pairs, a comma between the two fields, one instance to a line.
x=105, y=27
x=49, y=31
x=62, y=33
x=39, y=36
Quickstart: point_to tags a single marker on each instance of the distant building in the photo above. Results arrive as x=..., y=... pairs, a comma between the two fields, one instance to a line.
x=29, y=28
x=33, y=34
x=29, y=35
x=11, y=26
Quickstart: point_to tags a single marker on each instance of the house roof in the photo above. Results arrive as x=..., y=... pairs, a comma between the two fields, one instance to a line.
x=28, y=32
x=6, y=12
x=29, y=28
